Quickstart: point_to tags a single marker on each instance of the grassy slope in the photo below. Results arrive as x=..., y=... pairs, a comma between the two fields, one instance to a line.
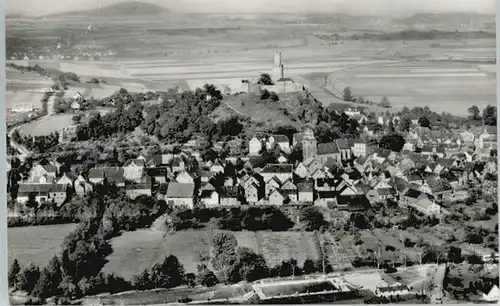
x=36, y=244
x=135, y=251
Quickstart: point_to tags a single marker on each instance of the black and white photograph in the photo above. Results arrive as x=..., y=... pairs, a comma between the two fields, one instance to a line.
x=230, y=152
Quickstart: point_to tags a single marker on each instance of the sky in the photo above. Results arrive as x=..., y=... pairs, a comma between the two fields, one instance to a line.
x=42, y=7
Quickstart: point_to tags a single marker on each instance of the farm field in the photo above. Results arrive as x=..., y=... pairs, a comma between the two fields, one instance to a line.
x=46, y=125
x=456, y=73
x=37, y=244
x=448, y=87
x=135, y=251
x=24, y=88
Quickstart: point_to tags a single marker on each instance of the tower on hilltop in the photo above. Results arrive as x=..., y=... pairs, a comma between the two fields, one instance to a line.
x=309, y=144
x=278, y=72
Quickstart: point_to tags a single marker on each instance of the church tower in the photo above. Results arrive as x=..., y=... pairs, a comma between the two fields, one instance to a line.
x=309, y=144
x=278, y=72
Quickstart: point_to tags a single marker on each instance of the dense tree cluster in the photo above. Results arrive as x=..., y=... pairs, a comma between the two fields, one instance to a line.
x=122, y=120
x=234, y=219
x=393, y=142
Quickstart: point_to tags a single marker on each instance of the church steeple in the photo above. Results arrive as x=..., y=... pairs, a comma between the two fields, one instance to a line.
x=309, y=144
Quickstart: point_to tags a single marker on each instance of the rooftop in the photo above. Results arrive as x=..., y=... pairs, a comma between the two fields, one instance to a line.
x=277, y=168
x=180, y=190
x=327, y=148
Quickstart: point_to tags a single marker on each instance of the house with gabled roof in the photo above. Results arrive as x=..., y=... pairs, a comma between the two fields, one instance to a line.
x=159, y=160
x=134, y=190
x=276, y=198
x=256, y=144
x=281, y=140
x=178, y=164
x=158, y=174
x=217, y=167
x=297, y=138
x=362, y=163
x=209, y=196
x=439, y=188
x=433, y=150
x=305, y=191
x=328, y=150
x=43, y=193
x=352, y=203
x=229, y=196
x=82, y=186
x=113, y=175
x=180, y=195
x=289, y=190
x=492, y=295
x=344, y=146
x=301, y=170
x=272, y=184
x=252, y=193
x=68, y=178
x=185, y=177
x=282, y=171
x=133, y=169
x=41, y=170
x=426, y=206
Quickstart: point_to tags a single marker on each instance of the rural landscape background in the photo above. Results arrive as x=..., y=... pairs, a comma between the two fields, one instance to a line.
x=442, y=61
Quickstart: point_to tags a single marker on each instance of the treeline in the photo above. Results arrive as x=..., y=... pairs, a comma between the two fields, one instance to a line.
x=121, y=120
x=423, y=35
x=36, y=143
x=233, y=219
x=77, y=270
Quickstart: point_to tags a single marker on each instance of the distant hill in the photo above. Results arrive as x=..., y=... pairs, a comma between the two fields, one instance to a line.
x=128, y=8
x=456, y=20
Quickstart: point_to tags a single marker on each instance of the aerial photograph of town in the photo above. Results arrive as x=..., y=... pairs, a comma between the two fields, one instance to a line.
x=251, y=152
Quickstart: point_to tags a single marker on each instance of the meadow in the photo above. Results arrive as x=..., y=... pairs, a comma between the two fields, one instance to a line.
x=46, y=125
x=36, y=244
x=135, y=251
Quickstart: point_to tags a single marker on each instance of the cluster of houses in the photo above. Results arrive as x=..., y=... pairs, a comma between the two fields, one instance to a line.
x=428, y=173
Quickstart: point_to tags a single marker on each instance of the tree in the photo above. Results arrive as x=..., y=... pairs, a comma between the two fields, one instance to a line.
x=360, y=221
x=274, y=96
x=264, y=94
x=28, y=278
x=390, y=127
x=393, y=142
x=347, y=94
x=424, y=122
x=474, y=259
x=14, y=270
x=168, y=274
x=473, y=112
x=385, y=102
x=249, y=266
x=224, y=246
x=76, y=119
x=309, y=267
x=455, y=254
x=490, y=115
x=50, y=278
x=206, y=277
x=265, y=79
x=405, y=124
x=143, y=281
x=312, y=218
